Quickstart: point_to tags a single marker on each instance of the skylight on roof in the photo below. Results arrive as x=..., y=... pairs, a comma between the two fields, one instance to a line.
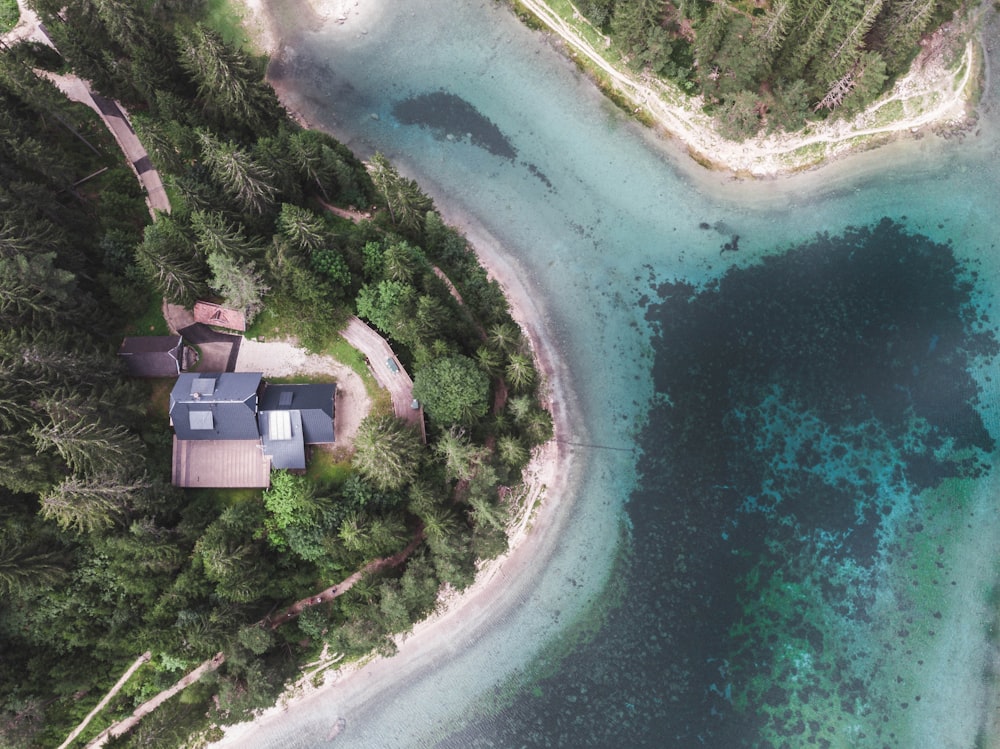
x=202, y=386
x=279, y=425
x=285, y=398
x=200, y=420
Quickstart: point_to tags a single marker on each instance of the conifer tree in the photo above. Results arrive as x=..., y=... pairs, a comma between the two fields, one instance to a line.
x=235, y=171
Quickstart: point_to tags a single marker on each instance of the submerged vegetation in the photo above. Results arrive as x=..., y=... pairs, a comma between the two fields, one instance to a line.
x=812, y=463
x=100, y=557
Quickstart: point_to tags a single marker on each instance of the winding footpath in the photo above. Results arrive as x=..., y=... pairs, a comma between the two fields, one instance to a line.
x=142, y=659
x=929, y=94
x=328, y=594
x=29, y=28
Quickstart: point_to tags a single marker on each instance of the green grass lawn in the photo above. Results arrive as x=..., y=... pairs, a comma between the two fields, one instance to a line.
x=151, y=322
x=329, y=467
x=10, y=14
x=225, y=17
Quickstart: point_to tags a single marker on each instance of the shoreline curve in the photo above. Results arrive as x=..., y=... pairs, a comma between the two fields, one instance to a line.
x=780, y=154
x=548, y=479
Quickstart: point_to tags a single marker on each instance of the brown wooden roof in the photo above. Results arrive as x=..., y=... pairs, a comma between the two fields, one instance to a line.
x=222, y=317
x=204, y=464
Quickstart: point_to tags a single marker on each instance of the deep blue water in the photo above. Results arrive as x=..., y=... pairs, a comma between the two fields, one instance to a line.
x=783, y=414
x=802, y=400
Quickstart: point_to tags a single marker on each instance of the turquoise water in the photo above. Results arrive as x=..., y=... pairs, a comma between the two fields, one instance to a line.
x=794, y=431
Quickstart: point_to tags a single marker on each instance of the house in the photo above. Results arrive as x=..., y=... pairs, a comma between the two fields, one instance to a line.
x=152, y=355
x=231, y=428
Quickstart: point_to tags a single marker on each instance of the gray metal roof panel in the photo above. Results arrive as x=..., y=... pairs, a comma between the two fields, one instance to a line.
x=228, y=387
x=317, y=427
x=230, y=421
x=303, y=397
x=315, y=403
x=232, y=402
x=287, y=453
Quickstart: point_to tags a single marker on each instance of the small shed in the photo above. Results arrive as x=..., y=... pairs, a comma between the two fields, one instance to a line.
x=220, y=317
x=152, y=355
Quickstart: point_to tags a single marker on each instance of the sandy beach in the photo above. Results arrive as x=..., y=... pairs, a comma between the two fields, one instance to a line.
x=534, y=530
x=533, y=533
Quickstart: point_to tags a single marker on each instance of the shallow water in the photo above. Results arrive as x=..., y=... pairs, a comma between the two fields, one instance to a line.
x=797, y=432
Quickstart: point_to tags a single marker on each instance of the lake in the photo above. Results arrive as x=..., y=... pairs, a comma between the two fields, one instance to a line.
x=780, y=527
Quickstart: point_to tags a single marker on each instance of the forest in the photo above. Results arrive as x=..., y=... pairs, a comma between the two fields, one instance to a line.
x=101, y=558
x=767, y=65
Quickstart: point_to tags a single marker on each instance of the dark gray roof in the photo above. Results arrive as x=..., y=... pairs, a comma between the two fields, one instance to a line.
x=281, y=433
x=152, y=355
x=313, y=402
x=215, y=406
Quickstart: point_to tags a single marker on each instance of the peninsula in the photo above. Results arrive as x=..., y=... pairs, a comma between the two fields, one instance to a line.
x=937, y=92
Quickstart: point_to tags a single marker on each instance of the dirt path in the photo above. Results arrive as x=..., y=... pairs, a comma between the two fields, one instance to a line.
x=144, y=658
x=113, y=116
x=117, y=729
x=350, y=214
x=328, y=594
x=929, y=94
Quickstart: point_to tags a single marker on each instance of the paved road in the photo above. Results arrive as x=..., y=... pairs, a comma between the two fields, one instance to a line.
x=219, y=351
x=115, y=118
x=379, y=353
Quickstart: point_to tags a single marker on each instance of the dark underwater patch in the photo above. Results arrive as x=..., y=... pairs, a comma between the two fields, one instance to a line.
x=799, y=401
x=448, y=114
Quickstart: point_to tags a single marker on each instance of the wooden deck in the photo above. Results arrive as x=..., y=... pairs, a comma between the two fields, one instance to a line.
x=213, y=464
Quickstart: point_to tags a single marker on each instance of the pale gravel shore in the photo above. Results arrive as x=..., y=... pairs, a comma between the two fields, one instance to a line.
x=549, y=476
x=533, y=536
x=929, y=95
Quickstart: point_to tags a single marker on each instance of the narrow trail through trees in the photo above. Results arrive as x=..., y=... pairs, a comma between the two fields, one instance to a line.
x=930, y=88
x=142, y=659
x=328, y=594
x=273, y=621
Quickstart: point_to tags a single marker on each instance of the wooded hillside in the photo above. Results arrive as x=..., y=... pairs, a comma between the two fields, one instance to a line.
x=772, y=63
x=101, y=558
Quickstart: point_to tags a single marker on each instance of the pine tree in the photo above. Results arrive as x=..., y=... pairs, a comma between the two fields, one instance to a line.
x=387, y=451
x=770, y=32
x=903, y=26
x=89, y=448
x=233, y=169
x=25, y=565
x=847, y=51
x=242, y=285
x=215, y=235
x=304, y=228
x=93, y=503
x=520, y=371
x=166, y=254
x=461, y=457
x=227, y=80
x=34, y=290
x=407, y=205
